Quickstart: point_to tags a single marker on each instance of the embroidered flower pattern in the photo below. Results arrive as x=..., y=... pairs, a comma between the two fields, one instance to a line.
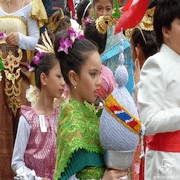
x=96, y=109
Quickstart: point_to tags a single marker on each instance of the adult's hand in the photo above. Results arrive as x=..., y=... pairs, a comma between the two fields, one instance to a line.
x=12, y=39
x=111, y=174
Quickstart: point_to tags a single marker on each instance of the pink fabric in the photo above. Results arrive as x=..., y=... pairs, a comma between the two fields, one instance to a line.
x=107, y=82
x=40, y=153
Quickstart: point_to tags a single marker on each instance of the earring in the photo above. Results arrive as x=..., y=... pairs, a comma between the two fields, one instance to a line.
x=74, y=87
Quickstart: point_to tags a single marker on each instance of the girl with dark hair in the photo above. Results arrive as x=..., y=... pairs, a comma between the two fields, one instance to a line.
x=143, y=44
x=107, y=78
x=35, y=145
x=78, y=144
x=83, y=11
x=110, y=56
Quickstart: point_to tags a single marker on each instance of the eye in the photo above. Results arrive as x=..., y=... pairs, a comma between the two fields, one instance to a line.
x=59, y=76
x=93, y=74
x=108, y=9
x=99, y=9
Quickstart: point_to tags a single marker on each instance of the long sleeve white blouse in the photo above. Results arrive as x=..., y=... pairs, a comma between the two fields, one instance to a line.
x=25, y=42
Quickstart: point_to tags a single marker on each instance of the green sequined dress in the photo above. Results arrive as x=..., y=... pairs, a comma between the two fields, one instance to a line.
x=78, y=146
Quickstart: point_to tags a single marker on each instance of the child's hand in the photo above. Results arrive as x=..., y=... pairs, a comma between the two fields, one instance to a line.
x=111, y=174
x=137, y=67
x=136, y=71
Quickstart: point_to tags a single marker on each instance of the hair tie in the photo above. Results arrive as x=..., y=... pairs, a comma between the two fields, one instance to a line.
x=86, y=9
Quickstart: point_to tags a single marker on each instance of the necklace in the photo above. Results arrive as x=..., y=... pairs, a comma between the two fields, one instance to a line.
x=8, y=2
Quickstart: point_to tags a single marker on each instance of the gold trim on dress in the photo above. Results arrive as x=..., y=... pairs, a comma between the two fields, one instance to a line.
x=13, y=81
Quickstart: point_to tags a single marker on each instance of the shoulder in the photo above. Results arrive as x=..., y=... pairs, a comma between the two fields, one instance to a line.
x=27, y=111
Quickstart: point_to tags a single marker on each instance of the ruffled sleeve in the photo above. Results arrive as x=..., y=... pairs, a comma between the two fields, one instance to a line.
x=38, y=13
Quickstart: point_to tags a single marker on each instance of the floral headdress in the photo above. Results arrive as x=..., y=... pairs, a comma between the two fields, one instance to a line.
x=65, y=43
x=42, y=50
x=33, y=92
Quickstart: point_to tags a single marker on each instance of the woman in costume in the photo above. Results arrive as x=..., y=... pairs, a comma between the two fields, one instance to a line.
x=20, y=22
x=110, y=56
x=78, y=146
x=107, y=78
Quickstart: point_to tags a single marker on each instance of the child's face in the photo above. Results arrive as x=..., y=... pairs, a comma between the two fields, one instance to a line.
x=103, y=8
x=55, y=82
x=89, y=82
x=171, y=36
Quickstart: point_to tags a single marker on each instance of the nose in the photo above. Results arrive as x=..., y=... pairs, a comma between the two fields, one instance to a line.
x=99, y=81
x=104, y=12
x=63, y=82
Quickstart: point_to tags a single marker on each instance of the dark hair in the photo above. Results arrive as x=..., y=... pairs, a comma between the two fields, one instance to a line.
x=166, y=11
x=152, y=3
x=77, y=54
x=80, y=10
x=47, y=61
x=91, y=33
x=147, y=43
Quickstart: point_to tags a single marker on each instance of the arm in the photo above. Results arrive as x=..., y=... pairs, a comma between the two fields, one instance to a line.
x=135, y=92
x=158, y=96
x=29, y=42
x=25, y=42
x=22, y=137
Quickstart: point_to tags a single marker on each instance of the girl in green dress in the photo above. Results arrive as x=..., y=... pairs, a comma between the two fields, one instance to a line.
x=79, y=150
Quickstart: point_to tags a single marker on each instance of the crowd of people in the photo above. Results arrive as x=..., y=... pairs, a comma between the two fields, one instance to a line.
x=72, y=91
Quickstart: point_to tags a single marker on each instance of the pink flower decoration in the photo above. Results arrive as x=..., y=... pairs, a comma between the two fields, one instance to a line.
x=30, y=67
x=40, y=54
x=79, y=35
x=64, y=45
x=72, y=34
x=2, y=35
x=87, y=21
x=36, y=60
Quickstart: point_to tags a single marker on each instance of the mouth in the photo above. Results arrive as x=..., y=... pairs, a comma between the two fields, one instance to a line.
x=96, y=93
x=61, y=90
